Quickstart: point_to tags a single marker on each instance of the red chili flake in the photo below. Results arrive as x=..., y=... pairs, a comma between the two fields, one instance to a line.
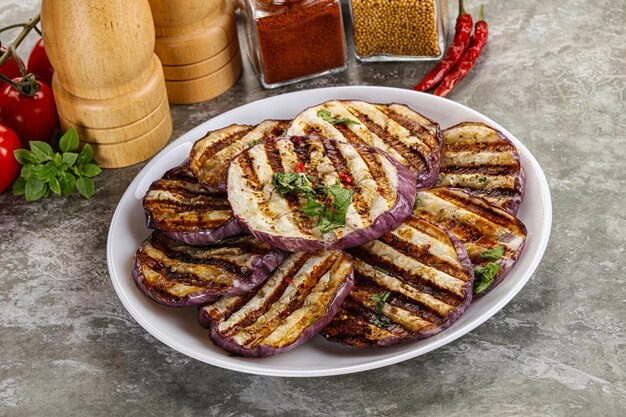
x=346, y=179
x=284, y=314
x=380, y=190
x=289, y=280
x=333, y=210
x=299, y=168
x=297, y=140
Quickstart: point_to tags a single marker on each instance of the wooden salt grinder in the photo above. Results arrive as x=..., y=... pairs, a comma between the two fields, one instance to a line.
x=197, y=43
x=108, y=82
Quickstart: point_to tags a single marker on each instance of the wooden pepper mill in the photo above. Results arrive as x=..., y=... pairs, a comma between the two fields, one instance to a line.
x=197, y=43
x=108, y=82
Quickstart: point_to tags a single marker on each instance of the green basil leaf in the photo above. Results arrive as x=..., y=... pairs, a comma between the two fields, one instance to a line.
x=91, y=170
x=41, y=150
x=69, y=141
x=86, y=155
x=35, y=189
x=70, y=158
x=57, y=159
x=54, y=185
x=325, y=115
x=483, y=277
x=24, y=157
x=495, y=253
x=85, y=187
x=287, y=182
x=19, y=186
x=312, y=208
x=67, y=182
x=28, y=171
x=47, y=172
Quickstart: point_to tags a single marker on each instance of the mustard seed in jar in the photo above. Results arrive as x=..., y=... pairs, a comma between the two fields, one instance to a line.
x=399, y=29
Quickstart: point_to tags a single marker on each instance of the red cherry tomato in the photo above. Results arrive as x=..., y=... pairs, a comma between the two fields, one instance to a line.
x=32, y=117
x=10, y=68
x=9, y=167
x=39, y=64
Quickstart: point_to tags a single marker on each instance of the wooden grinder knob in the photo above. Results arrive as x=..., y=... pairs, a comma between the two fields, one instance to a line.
x=108, y=82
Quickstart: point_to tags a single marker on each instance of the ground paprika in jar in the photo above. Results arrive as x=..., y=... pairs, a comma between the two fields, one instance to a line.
x=289, y=40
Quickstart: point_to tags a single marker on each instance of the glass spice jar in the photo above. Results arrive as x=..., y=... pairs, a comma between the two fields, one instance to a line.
x=292, y=40
x=399, y=30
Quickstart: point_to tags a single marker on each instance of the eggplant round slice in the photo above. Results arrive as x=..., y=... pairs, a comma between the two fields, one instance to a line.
x=484, y=162
x=403, y=133
x=210, y=156
x=179, y=275
x=180, y=207
x=410, y=284
x=304, y=193
x=493, y=238
x=300, y=297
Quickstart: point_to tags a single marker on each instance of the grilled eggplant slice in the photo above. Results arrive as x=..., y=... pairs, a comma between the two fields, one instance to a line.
x=481, y=160
x=359, y=193
x=300, y=297
x=184, y=210
x=179, y=275
x=403, y=133
x=410, y=284
x=210, y=156
x=491, y=235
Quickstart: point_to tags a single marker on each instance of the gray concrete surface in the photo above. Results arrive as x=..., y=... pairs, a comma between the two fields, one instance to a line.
x=553, y=73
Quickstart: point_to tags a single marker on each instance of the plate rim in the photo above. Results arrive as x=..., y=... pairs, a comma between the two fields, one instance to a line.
x=546, y=226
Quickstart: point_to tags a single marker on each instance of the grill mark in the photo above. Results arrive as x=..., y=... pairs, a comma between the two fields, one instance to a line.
x=422, y=255
x=499, y=193
x=313, y=131
x=415, y=281
x=182, y=257
x=341, y=166
x=498, y=218
x=181, y=173
x=478, y=147
x=189, y=222
x=252, y=317
x=179, y=189
x=349, y=135
x=246, y=244
x=246, y=164
x=463, y=232
x=397, y=299
x=377, y=172
x=491, y=170
x=212, y=149
x=187, y=201
x=297, y=301
x=421, y=132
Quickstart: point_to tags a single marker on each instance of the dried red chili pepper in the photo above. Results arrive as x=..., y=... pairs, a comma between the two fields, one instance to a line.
x=299, y=168
x=346, y=179
x=478, y=41
x=462, y=32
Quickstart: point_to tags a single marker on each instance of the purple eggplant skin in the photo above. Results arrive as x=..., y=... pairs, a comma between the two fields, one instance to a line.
x=387, y=221
x=263, y=351
x=262, y=268
x=203, y=237
x=428, y=178
x=505, y=267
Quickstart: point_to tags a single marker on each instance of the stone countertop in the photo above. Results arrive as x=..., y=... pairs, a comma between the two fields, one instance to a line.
x=553, y=73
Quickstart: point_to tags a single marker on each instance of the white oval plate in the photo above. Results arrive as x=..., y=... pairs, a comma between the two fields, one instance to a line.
x=179, y=329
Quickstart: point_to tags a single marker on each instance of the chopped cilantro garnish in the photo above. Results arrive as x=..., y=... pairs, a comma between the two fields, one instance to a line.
x=380, y=319
x=483, y=277
x=330, y=216
x=495, y=253
x=325, y=115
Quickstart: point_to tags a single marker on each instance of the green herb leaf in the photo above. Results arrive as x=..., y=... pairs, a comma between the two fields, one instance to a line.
x=380, y=299
x=495, y=253
x=24, y=157
x=335, y=217
x=313, y=208
x=85, y=187
x=86, y=155
x=483, y=277
x=67, y=181
x=41, y=150
x=325, y=115
x=47, y=171
x=69, y=158
x=417, y=203
x=482, y=180
x=379, y=269
x=91, y=170
x=69, y=141
x=19, y=186
x=54, y=185
x=35, y=189
x=254, y=142
x=289, y=182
